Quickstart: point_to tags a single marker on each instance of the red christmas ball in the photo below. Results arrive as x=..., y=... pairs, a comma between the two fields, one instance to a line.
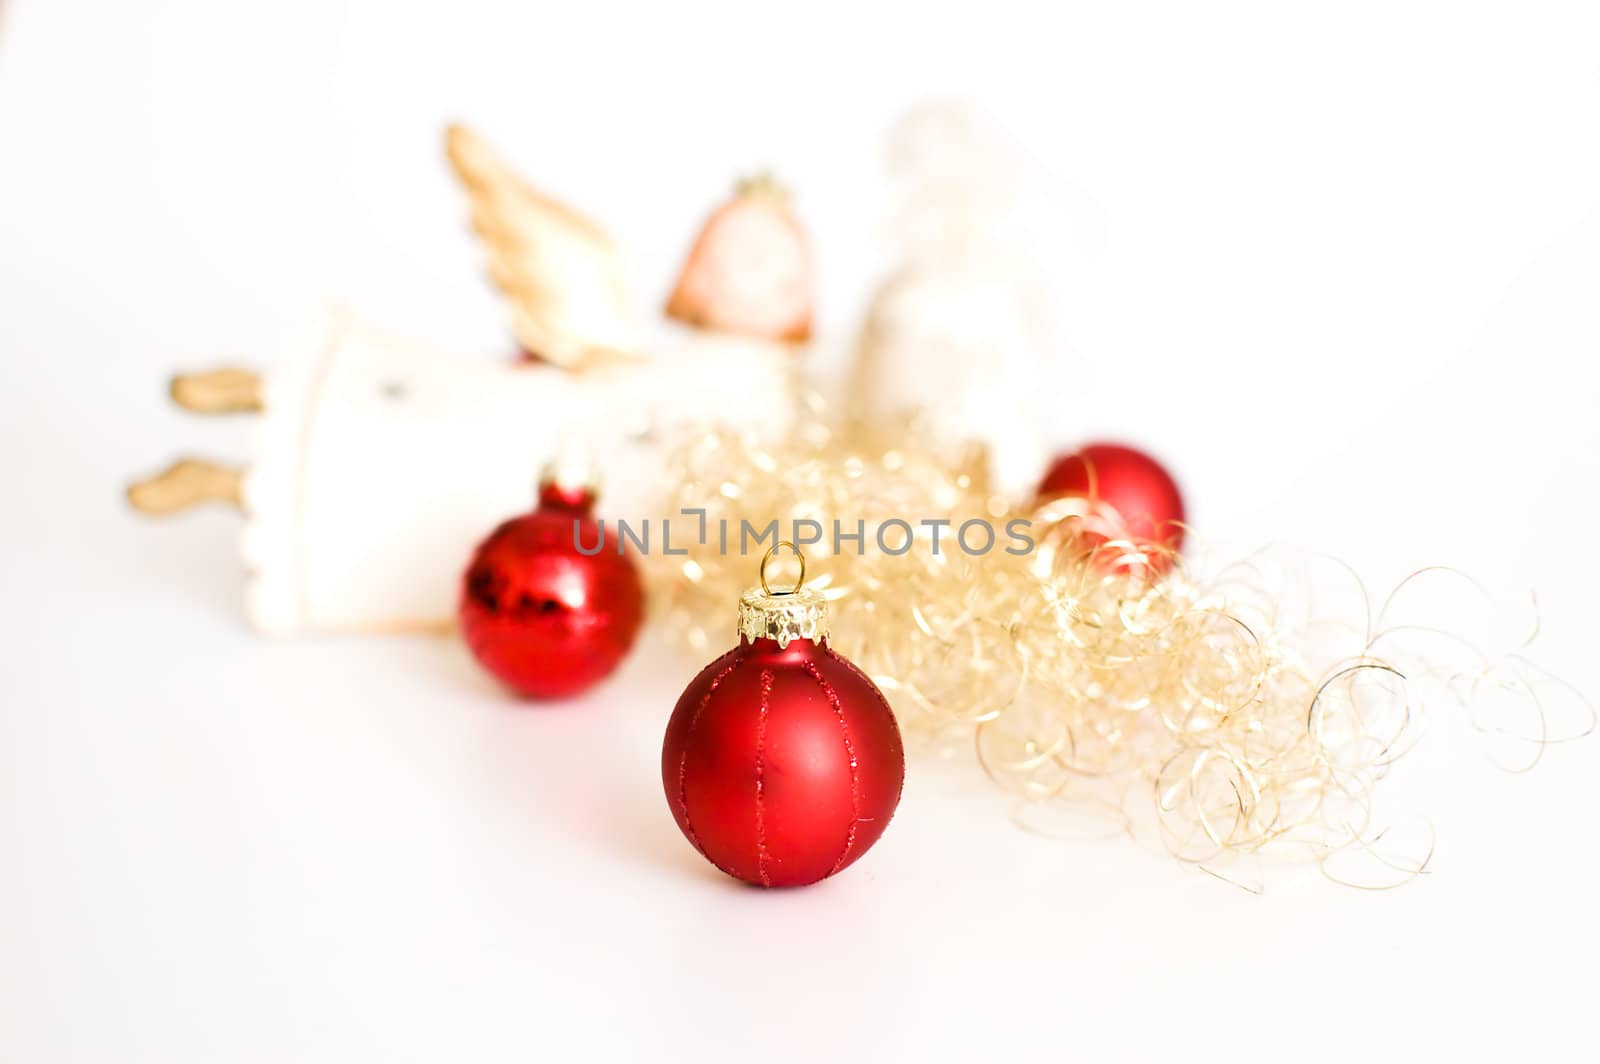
x=782, y=761
x=546, y=619
x=1130, y=495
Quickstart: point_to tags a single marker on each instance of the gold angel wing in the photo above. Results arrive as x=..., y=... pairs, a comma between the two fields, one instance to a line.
x=560, y=271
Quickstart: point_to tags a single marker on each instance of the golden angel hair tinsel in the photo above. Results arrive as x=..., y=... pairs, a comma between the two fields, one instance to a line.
x=1247, y=714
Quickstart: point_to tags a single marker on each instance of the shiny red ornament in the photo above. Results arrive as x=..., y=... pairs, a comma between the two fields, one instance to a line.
x=1130, y=495
x=546, y=619
x=782, y=761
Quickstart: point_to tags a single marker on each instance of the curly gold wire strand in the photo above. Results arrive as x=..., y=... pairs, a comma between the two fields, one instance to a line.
x=1228, y=712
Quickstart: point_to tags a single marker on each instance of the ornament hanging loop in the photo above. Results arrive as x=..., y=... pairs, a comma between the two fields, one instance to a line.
x=767, y=557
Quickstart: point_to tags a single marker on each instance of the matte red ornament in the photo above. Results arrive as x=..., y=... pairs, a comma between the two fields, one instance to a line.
x=782, y=761
x=1130, y=495
x=546, y=619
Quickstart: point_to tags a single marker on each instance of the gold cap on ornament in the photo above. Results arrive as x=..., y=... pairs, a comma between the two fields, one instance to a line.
x=569, y=480
x=798, y=613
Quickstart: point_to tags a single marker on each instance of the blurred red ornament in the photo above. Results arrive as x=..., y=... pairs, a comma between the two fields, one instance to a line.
x=545, y=618
x=1130, y=496
x=782, y=761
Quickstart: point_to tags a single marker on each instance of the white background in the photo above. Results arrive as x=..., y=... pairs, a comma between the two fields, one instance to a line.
x=1346, y=277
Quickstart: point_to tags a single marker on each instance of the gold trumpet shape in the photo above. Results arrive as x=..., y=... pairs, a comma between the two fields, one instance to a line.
x=187, y=482
x=223, y=391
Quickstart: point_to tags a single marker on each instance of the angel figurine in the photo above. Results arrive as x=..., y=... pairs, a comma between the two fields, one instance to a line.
x=379, y=463
x=962, y=331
